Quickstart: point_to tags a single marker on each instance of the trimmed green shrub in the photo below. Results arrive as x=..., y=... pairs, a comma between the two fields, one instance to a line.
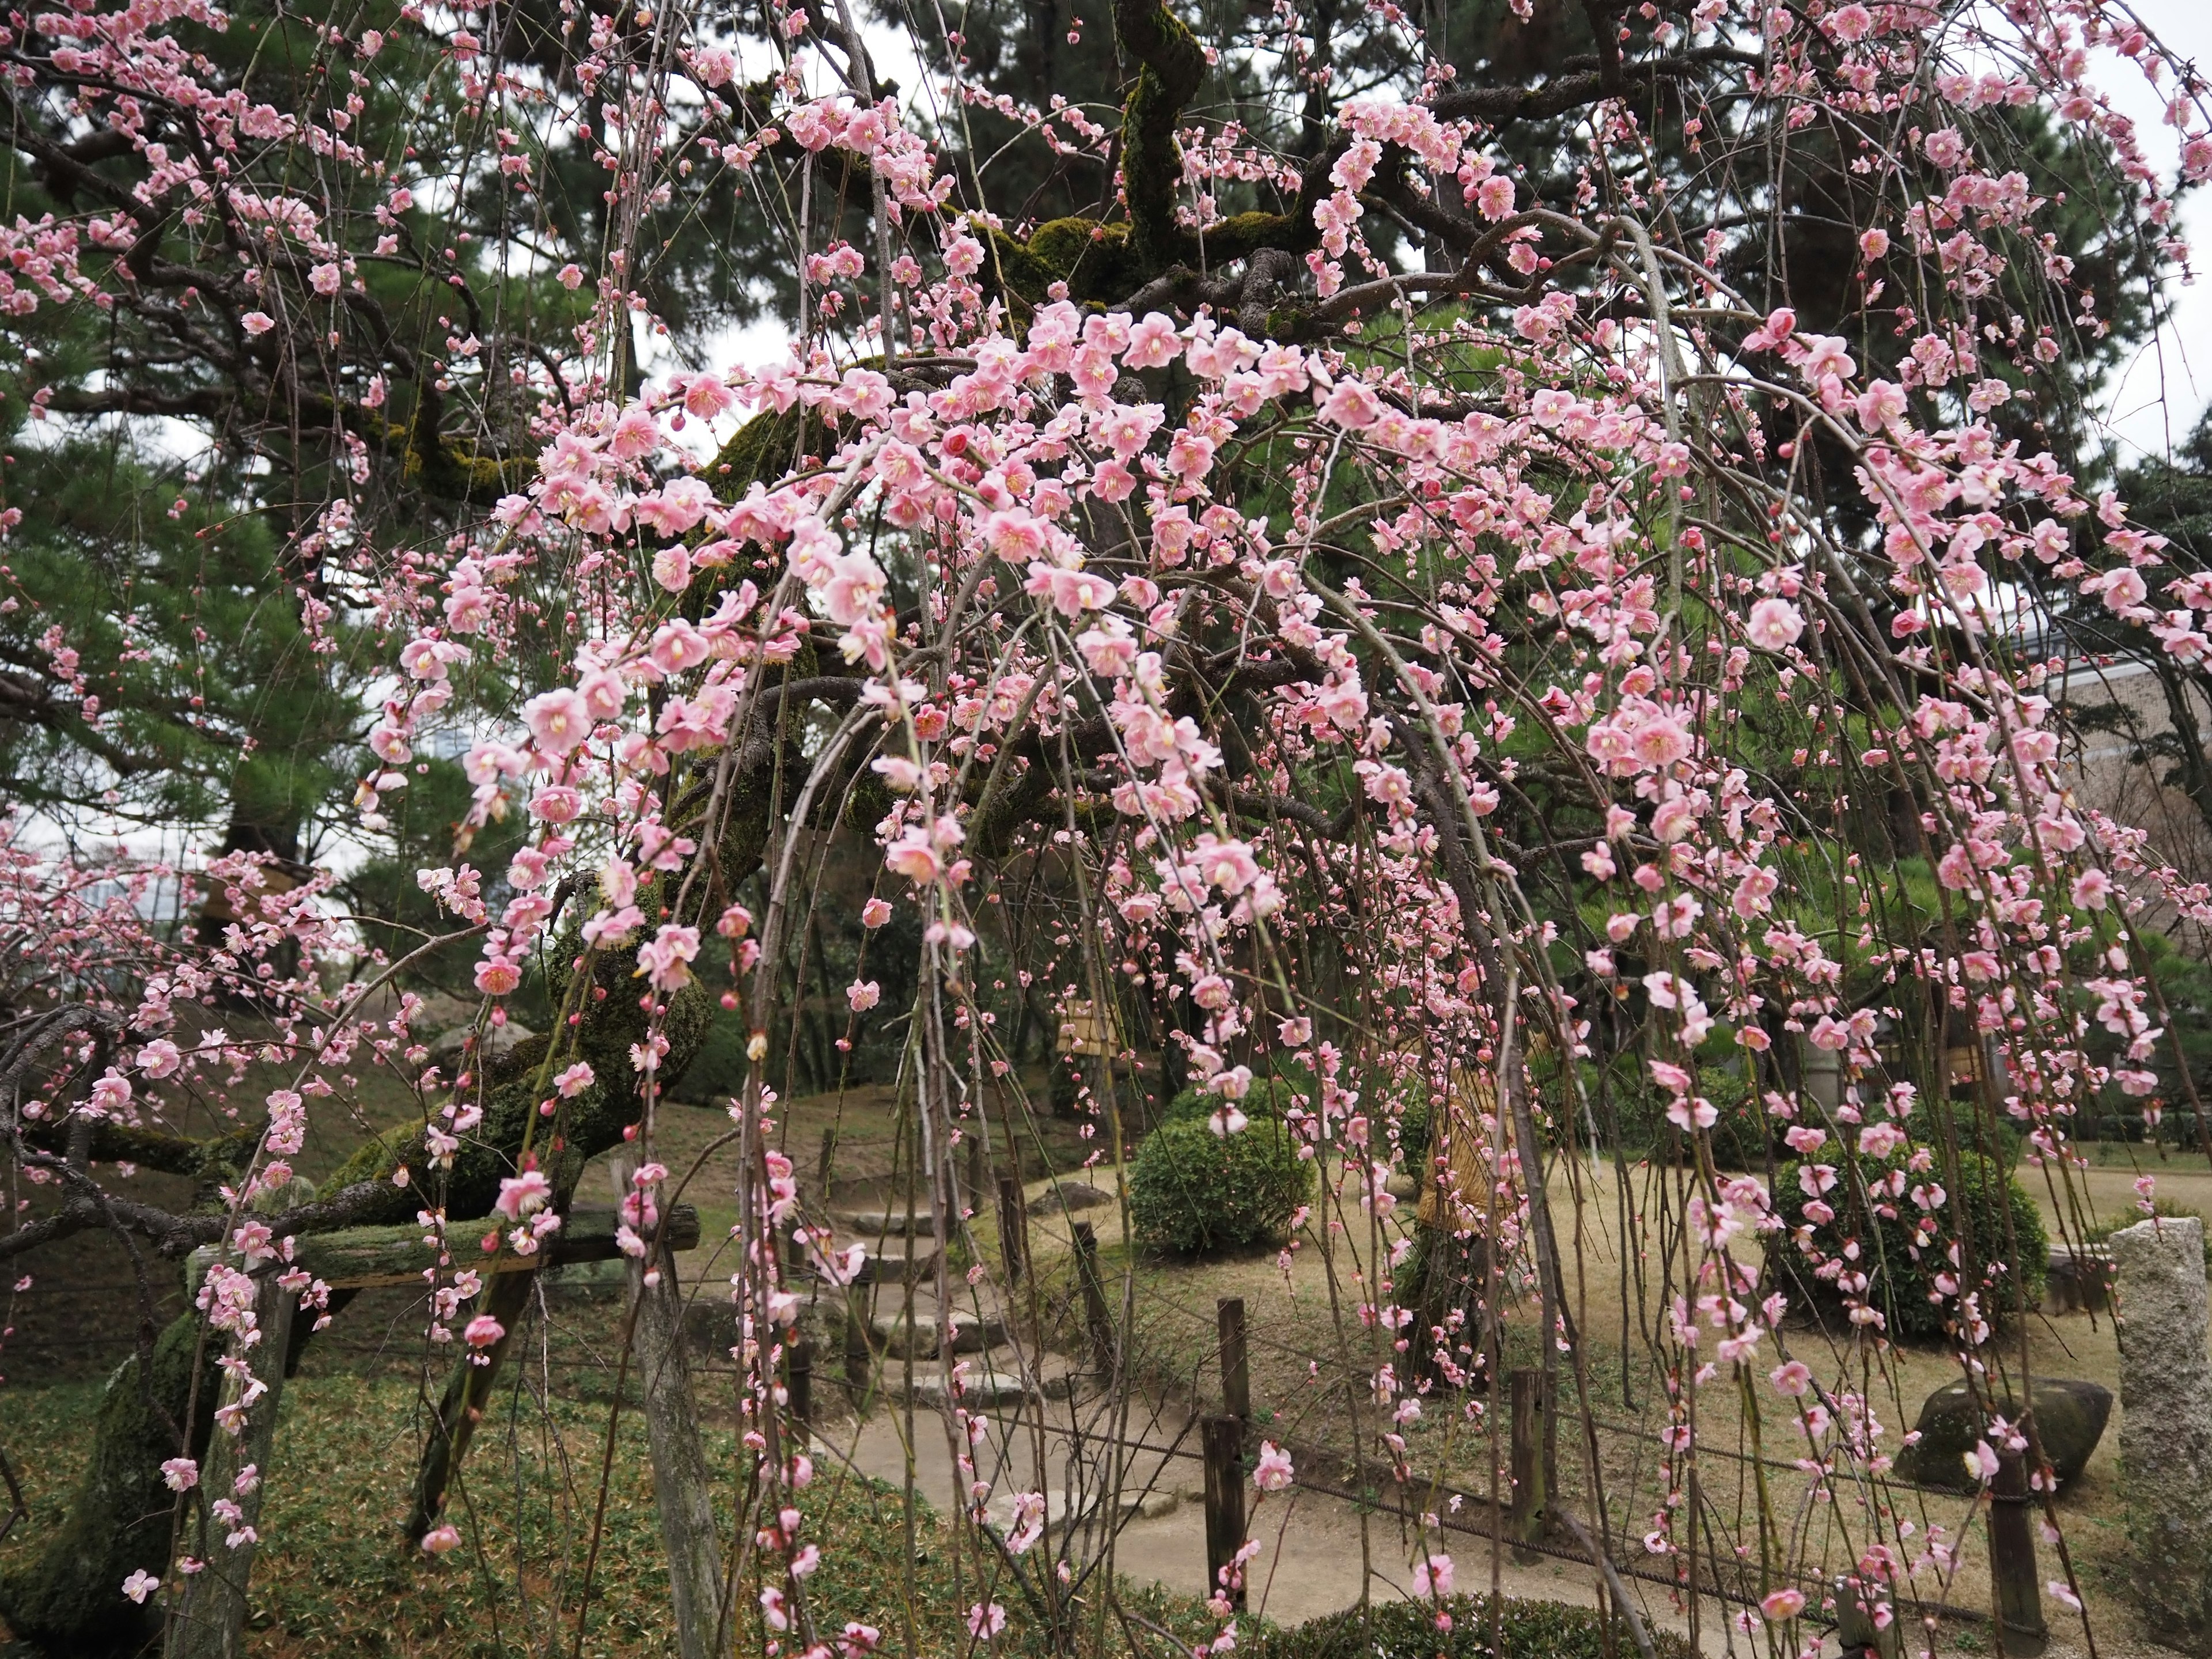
x=1741, y=1134
x=1407, y=1629
x=1193, y=1191
x=1269, y=1096
x=1902, y=1247
x=1415, y=1141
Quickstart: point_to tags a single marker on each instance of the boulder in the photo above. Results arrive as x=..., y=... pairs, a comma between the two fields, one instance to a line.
x=2069, y=1420
x=439, y=1013
x=498, y=1041
x=1068, y=1198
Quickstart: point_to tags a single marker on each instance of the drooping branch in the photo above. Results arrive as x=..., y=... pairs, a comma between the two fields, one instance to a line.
x=1502, y=106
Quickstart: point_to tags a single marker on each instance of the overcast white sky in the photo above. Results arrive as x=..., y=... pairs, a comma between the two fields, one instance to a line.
x=2154, y=400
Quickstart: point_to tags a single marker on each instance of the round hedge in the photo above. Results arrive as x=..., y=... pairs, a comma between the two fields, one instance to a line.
x=1741, y=1135
x=1407, y=1629
x=1192, y=1191
x=1901, y=1248
x=1269, y=1096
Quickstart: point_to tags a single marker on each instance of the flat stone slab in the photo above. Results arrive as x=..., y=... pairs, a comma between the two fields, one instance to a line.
x=993, y=1384
x=885, y=1223
x=1134, y=1506
x=971, y=1335
x=915, y=1260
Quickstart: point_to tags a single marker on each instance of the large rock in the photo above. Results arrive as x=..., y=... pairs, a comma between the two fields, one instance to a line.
x=2069, y=1420
x=494, y=1045
x=2166, y=1426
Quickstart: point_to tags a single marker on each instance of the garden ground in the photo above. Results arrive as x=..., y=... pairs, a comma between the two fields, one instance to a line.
x=336, y=1578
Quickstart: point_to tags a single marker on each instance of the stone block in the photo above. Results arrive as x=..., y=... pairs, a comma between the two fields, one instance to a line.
x=2166, y=1423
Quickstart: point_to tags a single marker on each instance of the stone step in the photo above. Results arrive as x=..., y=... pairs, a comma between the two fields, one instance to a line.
x=871, y=1225
x=1134, y=1506
x=991, y=1381
x=908, y=1259
x=970, y=1333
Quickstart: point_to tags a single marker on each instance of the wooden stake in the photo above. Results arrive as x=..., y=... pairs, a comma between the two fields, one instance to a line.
x=860, y=1348
x=1223, y=1439
x=1102, y=1344
x=1013, y=1227
x=1236, y=1368
x=799, y=1387
x=463, y=1403
x=1525, y=1523
x=2021, y=1633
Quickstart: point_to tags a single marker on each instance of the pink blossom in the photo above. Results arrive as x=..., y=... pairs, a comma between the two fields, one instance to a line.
x=667, y=956
x=1070, y=591
x=912, y=857
x=1274, y=1472
x=522, y=1194
x=558, y=721
x=1660, y=743
x=1778, y=1605
x=863, y=994
x=2091, y=889
x=985, y=1621
x=483, y=1332
x=495, y=976
x=1153, y=343
x=875, y=912
x=439, y=1540
x=1774, y=625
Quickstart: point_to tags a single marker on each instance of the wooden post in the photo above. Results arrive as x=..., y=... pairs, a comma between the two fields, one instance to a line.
x=1236, y=1368
x=972, y=1199
x=1101, y=1322
x=799, y=1387
x=860, y=1348
x=462, y=1404
x=1013, y=1227
x=211, y=1623
x=1526, y=1521
x=370, y=1255
x=1223, y=1439
x=2021, y=1633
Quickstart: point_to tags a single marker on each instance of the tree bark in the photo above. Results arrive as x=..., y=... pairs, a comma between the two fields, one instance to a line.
x=210, y=1624
x=683, y=1489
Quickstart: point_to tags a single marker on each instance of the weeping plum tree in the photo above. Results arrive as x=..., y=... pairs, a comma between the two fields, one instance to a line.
x=1447, y=570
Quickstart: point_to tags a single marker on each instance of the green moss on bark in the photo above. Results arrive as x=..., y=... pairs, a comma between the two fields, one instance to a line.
x=120, y=1518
